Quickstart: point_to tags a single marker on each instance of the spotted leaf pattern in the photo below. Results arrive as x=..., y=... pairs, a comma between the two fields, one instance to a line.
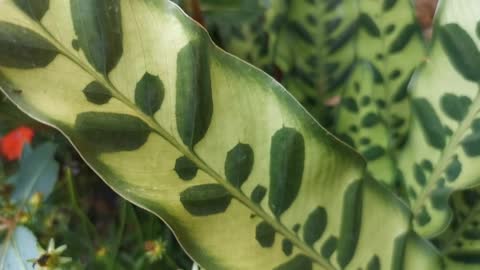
x=373, y=48
x=461, y=241
x=212, y=145
x=442, y=153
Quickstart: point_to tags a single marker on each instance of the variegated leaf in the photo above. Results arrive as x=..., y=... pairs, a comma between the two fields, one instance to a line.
x=244, y=175
x=373, y=49
x=460, y=243
x=443, y=151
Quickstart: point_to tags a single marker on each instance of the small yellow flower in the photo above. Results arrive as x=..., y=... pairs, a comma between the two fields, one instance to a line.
x=155, y=249
x=36, y=200
x=101, y=252
x=23, y=217
x=50, y=259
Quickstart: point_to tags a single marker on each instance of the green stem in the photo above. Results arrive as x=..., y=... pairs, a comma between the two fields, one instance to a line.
x=87, y=226
x=119, y=237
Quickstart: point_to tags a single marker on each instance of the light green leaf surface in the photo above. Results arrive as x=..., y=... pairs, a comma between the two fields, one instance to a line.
x=442, y=154
x=212, y=145
x=17, y=249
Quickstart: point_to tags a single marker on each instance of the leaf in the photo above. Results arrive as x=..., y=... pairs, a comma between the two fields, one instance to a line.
x=38, y=172
x=375, y=49
x=461, y=241
x=443, y=144
x=284, y=39
x=230, y=160
x=17, y=249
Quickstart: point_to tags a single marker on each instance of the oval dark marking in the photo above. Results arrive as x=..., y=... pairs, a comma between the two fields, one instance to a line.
x=332, y=4
x=370, y=120
x=403, y=38
x=287, y=247
x=98, y=26
x=96, y=93
x=454, y=169
x=239, y=164
x=388, y=4
x=336, y=44
x=365, y=141
x=402, y=91
x=315, y=225
x=287, y=158
x=265, y=234
x=185, y=168
x=419, y=175
x=476, y=125
x=332, y=25
x=194, y=103
x=423, y=218
x=350, y=104
x=111, y=132
x=455, y=107
x=369, y=25
x=471, y=144
x=296, y=228
x=205, y=200
x=395, y=74
x=258, y=194
x=431, y=125
x=374, y=263
x=329, y=247
x=299, y=30
x=439, y=198
x=373, y=152
x=461, y=51
x=389, y=29
x=24, y=49
x=351, y=223
x=366, y=101
x=149, y=94
x=297, y=263
x=427, y=165
x=35, y=9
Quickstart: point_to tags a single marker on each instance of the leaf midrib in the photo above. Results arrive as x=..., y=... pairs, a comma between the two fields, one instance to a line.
x=279, y=227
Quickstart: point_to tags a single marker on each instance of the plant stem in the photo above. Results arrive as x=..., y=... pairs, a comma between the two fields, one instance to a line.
x=118, y=238
x=87, y=226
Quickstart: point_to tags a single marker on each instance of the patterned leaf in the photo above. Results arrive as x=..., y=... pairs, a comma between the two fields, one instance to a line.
x=374, y=46
x=443, y=150
x=210, y=144
x=461, y=241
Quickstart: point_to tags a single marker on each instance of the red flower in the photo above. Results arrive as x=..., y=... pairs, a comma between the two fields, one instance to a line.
x=11, y=145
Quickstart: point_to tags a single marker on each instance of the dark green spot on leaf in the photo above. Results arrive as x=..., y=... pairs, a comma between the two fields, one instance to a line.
x=204, y=200
x=185, y=168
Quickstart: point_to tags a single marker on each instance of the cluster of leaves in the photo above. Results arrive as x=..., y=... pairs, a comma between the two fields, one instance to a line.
x=215, y=146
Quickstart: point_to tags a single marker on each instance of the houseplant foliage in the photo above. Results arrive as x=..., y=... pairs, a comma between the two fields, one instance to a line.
x=244, y=176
